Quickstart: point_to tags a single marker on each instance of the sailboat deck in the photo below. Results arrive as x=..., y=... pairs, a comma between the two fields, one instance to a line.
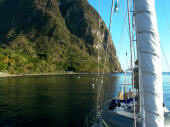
x=115, y=120
x=125, y=114
x=118, y=118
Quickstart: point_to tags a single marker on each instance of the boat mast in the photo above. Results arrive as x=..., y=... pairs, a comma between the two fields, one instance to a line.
x=149, y=57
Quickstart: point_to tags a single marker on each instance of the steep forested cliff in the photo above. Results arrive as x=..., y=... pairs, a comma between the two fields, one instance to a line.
x=53, y=36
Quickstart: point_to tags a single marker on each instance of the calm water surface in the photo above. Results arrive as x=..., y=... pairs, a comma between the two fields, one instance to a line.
x=55, y=101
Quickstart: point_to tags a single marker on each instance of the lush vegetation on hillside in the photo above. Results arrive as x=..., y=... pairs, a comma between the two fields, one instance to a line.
x=12, y=61
x=51, y=36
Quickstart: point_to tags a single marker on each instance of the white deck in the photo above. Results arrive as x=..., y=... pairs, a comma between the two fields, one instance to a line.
x=125, y=114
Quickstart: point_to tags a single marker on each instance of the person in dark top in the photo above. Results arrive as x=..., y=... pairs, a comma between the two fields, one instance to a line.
x=136, y=83
x=136, y=75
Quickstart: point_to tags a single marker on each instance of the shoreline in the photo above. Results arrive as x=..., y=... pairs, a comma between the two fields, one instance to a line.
x=34, y=74
x=48, y=74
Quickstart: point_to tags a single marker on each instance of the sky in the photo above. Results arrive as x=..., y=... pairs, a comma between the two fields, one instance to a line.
x=120, y=34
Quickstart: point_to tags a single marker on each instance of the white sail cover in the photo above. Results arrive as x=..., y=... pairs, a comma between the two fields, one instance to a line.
x=149, y=57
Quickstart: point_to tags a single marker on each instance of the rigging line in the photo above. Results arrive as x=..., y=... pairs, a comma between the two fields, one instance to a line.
x=97, y=101
x=124, y=27
x=99, y=37
x=111, y=15
x=166, y=18
x=106, y=48
x=131, y=59
x=125, y=80
x=165, y=57
x=133, y=36
x=122, y=32
x=163, y=60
